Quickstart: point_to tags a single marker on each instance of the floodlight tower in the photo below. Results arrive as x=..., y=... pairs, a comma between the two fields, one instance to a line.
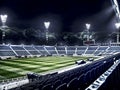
x=3, y=20
x=88, y=28
x=116, y=8
x=117, y=11
x=118, y=27
x=47, y=24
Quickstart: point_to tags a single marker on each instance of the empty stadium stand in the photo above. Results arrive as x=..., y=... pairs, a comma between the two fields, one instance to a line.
x=36, y=50
x=31, y=50
x=71, y=50
x=20, y=51
x=104, y=72
x=79, y=78
x=42, y=50
x=5, y=50
x=51, y=50
x=81, y=50
x=109, y=80
x=61, y=50
x=91, y=49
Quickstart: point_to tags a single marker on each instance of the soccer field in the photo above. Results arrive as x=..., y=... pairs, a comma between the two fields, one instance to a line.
x=20, y=67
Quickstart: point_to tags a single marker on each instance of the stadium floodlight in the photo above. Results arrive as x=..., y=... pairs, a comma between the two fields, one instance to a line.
x=3, y=19
x=47, y=25
x=87, y=26
x=116, y=8
x=88, y=33
x=115, y=2
x=117, y=25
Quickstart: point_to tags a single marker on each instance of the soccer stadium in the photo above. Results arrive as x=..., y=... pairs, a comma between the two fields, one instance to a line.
x=51, y=57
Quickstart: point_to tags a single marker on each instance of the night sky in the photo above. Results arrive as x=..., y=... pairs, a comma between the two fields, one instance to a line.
x=64, y=15
x=66, y=12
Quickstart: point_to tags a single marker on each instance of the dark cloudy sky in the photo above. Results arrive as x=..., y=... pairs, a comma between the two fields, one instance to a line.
x=66, y=15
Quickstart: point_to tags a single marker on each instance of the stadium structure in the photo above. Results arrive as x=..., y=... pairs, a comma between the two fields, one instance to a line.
x=44, y=67
x=100, y=73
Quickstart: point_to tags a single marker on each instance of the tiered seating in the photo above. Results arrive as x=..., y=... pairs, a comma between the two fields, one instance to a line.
x=5, y=47
x=51, y=50
x=71, y=50
x=109, y=80
x=5, y=50
x=113, y=80
x=7, y=53
x=42, y=50
x=26, y=50
x=31, y=50
x=113, y=49
x=81, y=49
x=19, y=50
x=74, y=79
x=91, y=49
x=61, y=50
x=101, y=49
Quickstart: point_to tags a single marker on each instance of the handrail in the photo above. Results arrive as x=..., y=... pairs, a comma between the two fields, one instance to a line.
x=99, y=81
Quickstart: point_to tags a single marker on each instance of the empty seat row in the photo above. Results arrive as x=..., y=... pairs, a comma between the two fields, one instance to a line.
x=52, y=50
x=78, y=78
x=113, y=80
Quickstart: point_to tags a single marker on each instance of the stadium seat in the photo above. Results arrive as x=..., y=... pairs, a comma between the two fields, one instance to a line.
x=62, y=87
x=65, y=79
x=47, y=87
x=73, y=84
x=81, y=81
x=56, y=84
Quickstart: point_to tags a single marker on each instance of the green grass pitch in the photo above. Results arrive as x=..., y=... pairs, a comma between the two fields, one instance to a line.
x=20, y=67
